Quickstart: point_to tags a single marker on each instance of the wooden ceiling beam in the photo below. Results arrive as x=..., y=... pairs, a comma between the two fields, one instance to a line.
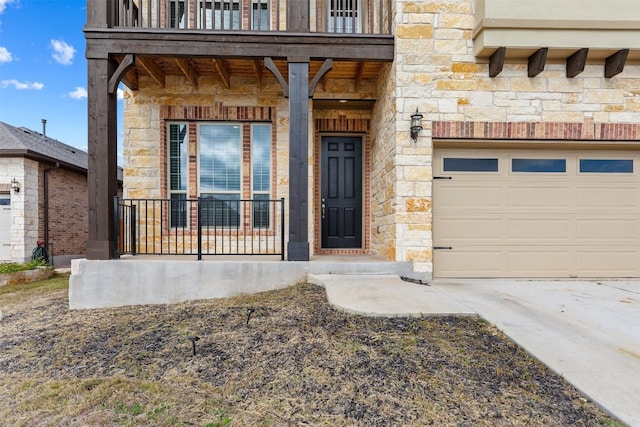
x=130, y=79
x=153, y=69
x=327, y=65
x=577, y=62
x=188, y=70
x=615, y=63
x=496, y=61
x=325, y=81
x=271, y=66
x=359, y=72
x=537, y=62
x=257, y=69
x=223, y=72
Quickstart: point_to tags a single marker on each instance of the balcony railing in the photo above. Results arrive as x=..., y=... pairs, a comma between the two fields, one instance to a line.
x=204, y=226
x=328, y=16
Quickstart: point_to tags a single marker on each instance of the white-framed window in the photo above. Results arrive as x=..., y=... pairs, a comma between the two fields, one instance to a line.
x=220, y=177
x=343, y=16
x=261, y=174
x=178, y=170
x=226, y=151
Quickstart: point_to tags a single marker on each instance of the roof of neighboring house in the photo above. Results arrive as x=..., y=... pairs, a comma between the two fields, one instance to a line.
x=28, y=143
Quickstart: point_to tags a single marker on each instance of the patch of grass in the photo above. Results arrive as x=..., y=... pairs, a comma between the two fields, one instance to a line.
x=59, y=281
x=221, y=420
x=13, y=267
x=298, y=362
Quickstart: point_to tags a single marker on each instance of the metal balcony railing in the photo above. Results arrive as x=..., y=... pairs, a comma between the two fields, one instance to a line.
x=328, y=16
x=203, y=226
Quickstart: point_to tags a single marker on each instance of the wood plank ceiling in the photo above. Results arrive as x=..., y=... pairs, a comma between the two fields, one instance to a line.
x=157, y=68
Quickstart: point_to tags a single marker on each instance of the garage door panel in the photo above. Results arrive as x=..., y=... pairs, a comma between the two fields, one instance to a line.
x=471, y=262
x=608, y=230
x=456, y=197
x=466, y=230
x=536, y=230
x=546, y=262
x=607, y=262
x=508, y=224
x=607, y=198
x=539, y=197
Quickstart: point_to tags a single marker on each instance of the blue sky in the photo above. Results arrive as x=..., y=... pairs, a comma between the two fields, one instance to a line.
x=43, y=71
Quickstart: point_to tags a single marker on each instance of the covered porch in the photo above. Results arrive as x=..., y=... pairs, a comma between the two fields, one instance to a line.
x=162, y=50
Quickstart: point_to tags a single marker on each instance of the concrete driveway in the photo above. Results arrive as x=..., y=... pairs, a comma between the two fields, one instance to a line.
x=587, y=331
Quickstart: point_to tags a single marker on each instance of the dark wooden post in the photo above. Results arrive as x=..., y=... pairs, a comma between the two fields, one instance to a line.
x=99, y=13
x=298, y=16
x=103, y=166
x=298, y=247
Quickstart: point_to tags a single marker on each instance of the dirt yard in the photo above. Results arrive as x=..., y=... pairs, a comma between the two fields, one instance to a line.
x=295, y=361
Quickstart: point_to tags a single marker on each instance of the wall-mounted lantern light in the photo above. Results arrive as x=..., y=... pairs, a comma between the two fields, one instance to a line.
x=15, y=186
x=416, y=125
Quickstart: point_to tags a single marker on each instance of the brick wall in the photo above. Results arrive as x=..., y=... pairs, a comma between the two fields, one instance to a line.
x=148, y=110
x=587, y=131
x=68, y=212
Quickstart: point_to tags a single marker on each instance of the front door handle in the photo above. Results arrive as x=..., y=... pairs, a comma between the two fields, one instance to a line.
x=323, y=207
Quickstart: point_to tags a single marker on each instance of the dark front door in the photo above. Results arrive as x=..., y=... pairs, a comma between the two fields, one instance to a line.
x=341, y=194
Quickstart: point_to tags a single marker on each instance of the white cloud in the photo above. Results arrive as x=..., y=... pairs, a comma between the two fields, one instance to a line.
x=22, y=85
x=62, y=52
x=78, y=93
x=5, y=3
x=5, y=55
x=120, y=94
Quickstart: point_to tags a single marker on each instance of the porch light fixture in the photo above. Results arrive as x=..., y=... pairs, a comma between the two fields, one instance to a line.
x=416, y=125
x=15, y=186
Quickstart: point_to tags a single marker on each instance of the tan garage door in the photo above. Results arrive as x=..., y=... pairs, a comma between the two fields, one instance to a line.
x=536, y=213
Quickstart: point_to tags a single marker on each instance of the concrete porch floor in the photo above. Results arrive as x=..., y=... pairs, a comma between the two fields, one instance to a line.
x=162, y=279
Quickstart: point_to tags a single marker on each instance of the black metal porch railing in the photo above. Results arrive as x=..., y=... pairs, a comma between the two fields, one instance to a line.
x=331, y=16
x=203, y=226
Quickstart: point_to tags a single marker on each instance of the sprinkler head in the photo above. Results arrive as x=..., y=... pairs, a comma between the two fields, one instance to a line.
x=193, y=340
x=250, y=311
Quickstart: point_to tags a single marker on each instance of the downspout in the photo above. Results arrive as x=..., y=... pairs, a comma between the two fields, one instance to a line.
x=46, y=207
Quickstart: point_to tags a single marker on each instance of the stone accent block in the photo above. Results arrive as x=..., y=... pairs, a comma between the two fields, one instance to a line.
x=418, y=205
x=464, y=67
x=415, y=31
x=419, y=255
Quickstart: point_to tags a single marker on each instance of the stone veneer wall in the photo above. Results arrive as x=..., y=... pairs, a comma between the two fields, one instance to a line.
x=144, y=141
x=24, y=205
x=147, y=110
x=437, y=72
x=383, y=167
